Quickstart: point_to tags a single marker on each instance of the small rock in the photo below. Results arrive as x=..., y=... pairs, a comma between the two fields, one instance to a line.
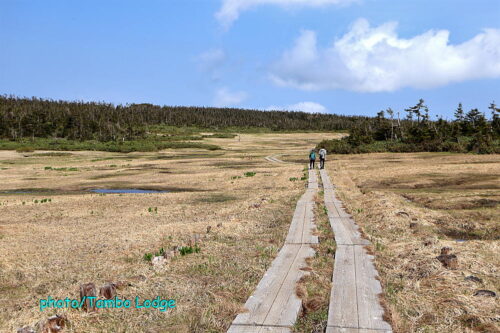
x=209, y=228
x=26, y=329
x=138, y=278
x=448, y=260
x=88, y=290
x=219, y=225
x=403, y=214
x=197, y=239
x=108, y=291
x=122, y=284
x=54, y=324
x=487, y=293
x=473, y=279
x=413, y=225
x=446, y=250
x=169, y=254
x=159, y=261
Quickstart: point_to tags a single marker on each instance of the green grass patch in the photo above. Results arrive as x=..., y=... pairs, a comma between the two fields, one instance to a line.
x=25, y=149
x=216, y=198
x=60, y=169
x=143, y=145
x=184, y=250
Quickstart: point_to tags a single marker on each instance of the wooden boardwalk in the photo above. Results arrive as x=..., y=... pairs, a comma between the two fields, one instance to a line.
x=274, y=305
x=354, y=304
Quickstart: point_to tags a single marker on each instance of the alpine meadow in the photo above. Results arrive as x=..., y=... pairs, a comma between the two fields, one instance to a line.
x=250, y=166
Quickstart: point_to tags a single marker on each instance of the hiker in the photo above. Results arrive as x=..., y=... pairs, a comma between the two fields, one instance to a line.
x=322, y=157
x=312, y=159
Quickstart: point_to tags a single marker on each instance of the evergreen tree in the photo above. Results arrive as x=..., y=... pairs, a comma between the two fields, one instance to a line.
x=459, y=113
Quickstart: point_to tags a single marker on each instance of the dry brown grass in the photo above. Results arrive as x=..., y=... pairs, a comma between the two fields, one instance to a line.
x=51, y=248
x=314, y=289
x=412, y=205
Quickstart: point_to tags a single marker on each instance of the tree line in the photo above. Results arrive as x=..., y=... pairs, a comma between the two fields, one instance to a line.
x=22, y=118
x=469, y=131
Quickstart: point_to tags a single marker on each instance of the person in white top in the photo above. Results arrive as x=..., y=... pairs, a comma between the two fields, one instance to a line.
x=322, y=157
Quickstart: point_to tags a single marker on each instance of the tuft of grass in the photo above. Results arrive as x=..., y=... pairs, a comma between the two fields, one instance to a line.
x=60, y=169
x=148, y=256
x=249, y=174
x=160, y=252
x=184, y=250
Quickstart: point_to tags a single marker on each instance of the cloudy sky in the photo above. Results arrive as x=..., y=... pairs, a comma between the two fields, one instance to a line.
x=337, y=56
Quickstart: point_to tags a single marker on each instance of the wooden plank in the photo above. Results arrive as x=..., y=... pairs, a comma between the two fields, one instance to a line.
x=258, y=329
x=300, y=231
x=347, y=231
x=343, y=311
x=368, y=288
x=354, y=330
x=287, y=305
x=260, y=302
x=342, y=234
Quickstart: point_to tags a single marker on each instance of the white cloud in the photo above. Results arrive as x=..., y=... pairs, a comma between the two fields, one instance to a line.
x=211, y=62
x=231, y=9
x=310, y=107
x=374, y=59
x=225, y=98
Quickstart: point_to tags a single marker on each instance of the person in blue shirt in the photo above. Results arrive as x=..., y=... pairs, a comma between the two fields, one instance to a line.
x=312, y=159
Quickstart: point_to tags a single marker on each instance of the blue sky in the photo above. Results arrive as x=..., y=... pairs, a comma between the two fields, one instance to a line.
x=338, y=56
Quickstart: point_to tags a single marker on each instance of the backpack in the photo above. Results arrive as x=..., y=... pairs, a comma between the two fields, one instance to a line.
x=312, y=155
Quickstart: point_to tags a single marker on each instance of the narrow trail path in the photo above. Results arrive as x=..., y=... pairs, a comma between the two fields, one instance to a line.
x=274, y=305
x=354, y=303
x=274, y=158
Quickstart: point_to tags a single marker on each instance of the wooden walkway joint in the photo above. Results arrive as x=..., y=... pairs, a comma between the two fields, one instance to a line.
x=274, y=305
x=354, y=303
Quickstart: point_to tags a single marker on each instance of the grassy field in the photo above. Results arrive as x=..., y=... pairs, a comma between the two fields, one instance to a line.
x=56, y=235
x=411, y=206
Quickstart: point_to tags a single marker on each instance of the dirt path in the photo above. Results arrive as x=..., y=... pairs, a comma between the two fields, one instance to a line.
x=274, y=159
x=354, y=303
x=274, y=306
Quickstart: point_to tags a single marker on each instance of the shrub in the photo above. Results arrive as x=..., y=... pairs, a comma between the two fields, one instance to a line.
x=25, y=149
